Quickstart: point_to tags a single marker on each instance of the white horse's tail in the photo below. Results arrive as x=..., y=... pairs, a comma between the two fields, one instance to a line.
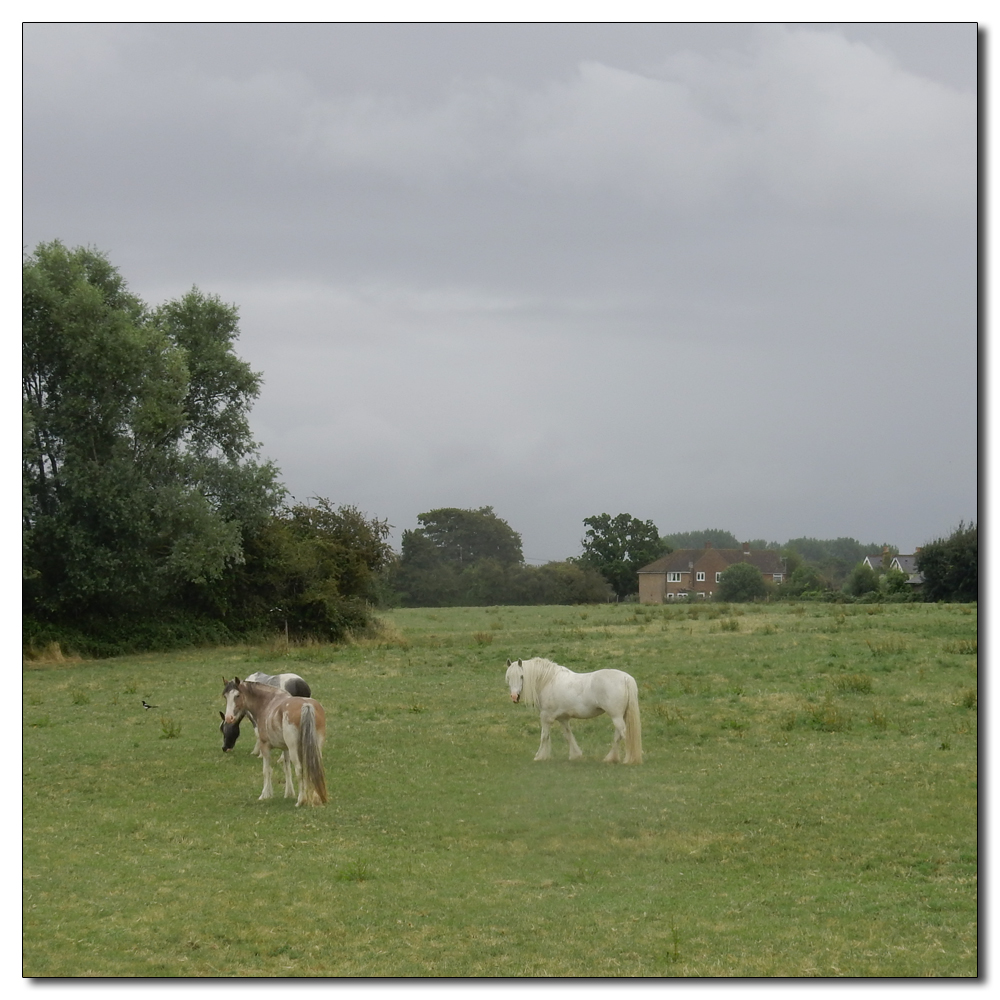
x=633, y=725
x=311, y=758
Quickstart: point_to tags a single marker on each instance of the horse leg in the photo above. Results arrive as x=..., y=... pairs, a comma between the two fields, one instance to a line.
x=265, y=753
x=286, y=764
x=619, y=723
x=575, y=753
x=256, y=742
x=545, y=747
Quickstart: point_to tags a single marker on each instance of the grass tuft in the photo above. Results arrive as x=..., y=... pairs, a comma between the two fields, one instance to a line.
x=853, y=683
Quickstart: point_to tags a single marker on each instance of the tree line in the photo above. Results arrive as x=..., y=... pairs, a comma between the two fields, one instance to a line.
x=149, y=518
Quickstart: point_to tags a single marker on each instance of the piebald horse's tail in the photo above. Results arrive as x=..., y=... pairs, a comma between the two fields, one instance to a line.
x=633, y=725
x=311, y=757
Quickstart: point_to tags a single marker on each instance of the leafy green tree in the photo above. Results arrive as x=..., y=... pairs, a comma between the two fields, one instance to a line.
x=463, y=537
x=312, y=566
x=741, y=582
x=950, y=566
x=618, y=547
x=457, y=557
x=894, y=581
x=803, y=579
x=139, y=474
x=862, y=580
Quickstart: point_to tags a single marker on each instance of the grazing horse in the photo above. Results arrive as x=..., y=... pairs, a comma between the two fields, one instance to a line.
x=291, y=683
x=561, y=695
x=296, y=725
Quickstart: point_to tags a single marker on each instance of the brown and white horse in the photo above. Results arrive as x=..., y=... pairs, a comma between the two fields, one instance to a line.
x=295, y=725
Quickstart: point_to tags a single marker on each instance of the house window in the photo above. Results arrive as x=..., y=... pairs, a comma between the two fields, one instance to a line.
x=718, y=577
x=777, y=578
x=673, y=578
x=700, y=576
x=701, y=594
x=670, y=596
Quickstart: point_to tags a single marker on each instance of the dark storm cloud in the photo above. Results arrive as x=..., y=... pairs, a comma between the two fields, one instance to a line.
x=706, y=274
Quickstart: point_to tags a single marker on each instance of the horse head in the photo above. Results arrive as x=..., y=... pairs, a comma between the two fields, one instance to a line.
x=235, y=709
x=230, y=732
x=515, y=680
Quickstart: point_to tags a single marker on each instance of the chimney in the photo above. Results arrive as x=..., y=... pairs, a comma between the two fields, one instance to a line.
x=885, y=550
x=746, y=550
x=708, y=545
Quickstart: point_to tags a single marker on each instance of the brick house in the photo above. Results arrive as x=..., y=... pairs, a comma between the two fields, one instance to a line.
x=697, y=571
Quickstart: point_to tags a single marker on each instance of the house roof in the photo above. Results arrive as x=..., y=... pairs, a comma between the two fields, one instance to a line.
x=684, y=560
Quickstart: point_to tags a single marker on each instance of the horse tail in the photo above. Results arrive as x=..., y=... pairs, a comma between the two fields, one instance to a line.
x=311, y=757
x=633, y=725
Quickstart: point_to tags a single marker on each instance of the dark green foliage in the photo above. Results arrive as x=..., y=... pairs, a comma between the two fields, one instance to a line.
x=950, y=566
x=696, y=539
x=457, y=557
x=863, y=580
x=472, y=558
x=835, y=558
x=618, y=547
x=311, y=567
x=148, y=522
x=803, y=580
x=895, y=581
x=138, y=475
x=741, y=582
x=463, y=537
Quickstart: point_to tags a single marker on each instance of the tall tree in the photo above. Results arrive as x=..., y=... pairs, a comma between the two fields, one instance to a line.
x=457, y=556
x=617, y=547
x=950, y=566
x=139, y=472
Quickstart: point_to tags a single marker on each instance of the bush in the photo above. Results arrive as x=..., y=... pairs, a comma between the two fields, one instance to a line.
x=741, y=582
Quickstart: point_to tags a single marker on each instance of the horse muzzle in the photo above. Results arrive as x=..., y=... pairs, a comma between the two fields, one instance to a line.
x=515, y=697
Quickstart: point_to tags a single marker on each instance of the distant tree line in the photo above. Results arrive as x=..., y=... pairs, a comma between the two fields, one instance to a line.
x=473, y=557
x=149, y=519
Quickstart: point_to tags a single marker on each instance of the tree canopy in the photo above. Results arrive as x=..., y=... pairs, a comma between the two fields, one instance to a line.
x=618, y=547
x=139, y=471
x=950, y=566
x=146, y=508
x=741, y=582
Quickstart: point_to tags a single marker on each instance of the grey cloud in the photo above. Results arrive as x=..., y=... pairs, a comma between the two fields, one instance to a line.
x=706, y=274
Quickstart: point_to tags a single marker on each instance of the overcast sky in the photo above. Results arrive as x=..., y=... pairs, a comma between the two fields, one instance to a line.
x=711, y=275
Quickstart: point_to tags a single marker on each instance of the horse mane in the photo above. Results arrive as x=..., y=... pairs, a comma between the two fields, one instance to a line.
x=538, y=674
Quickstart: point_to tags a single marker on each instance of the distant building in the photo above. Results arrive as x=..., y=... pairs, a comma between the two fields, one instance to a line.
x=697, y=571
x=905, y=564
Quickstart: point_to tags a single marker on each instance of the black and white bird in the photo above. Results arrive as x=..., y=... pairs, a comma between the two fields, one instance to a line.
x=147, y=706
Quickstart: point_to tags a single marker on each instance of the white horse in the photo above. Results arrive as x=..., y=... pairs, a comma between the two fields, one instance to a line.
x=561, y=695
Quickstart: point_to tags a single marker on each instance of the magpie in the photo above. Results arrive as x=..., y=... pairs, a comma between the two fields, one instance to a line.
x=147, y=706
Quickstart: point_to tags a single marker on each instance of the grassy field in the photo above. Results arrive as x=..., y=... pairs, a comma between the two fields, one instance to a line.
x=807, y=805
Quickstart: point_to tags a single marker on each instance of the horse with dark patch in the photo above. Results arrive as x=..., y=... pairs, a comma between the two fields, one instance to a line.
x=295, y=725
x=291, y=683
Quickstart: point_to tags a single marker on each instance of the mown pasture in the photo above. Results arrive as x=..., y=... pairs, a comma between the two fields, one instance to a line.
x=807, y=805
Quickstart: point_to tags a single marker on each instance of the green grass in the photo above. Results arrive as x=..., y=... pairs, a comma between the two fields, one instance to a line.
x=807, y=805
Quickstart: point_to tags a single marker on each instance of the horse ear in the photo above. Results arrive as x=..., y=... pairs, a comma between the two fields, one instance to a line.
x=519, y=663
x=236, y=681
x=508, y=663
x=222, y=715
